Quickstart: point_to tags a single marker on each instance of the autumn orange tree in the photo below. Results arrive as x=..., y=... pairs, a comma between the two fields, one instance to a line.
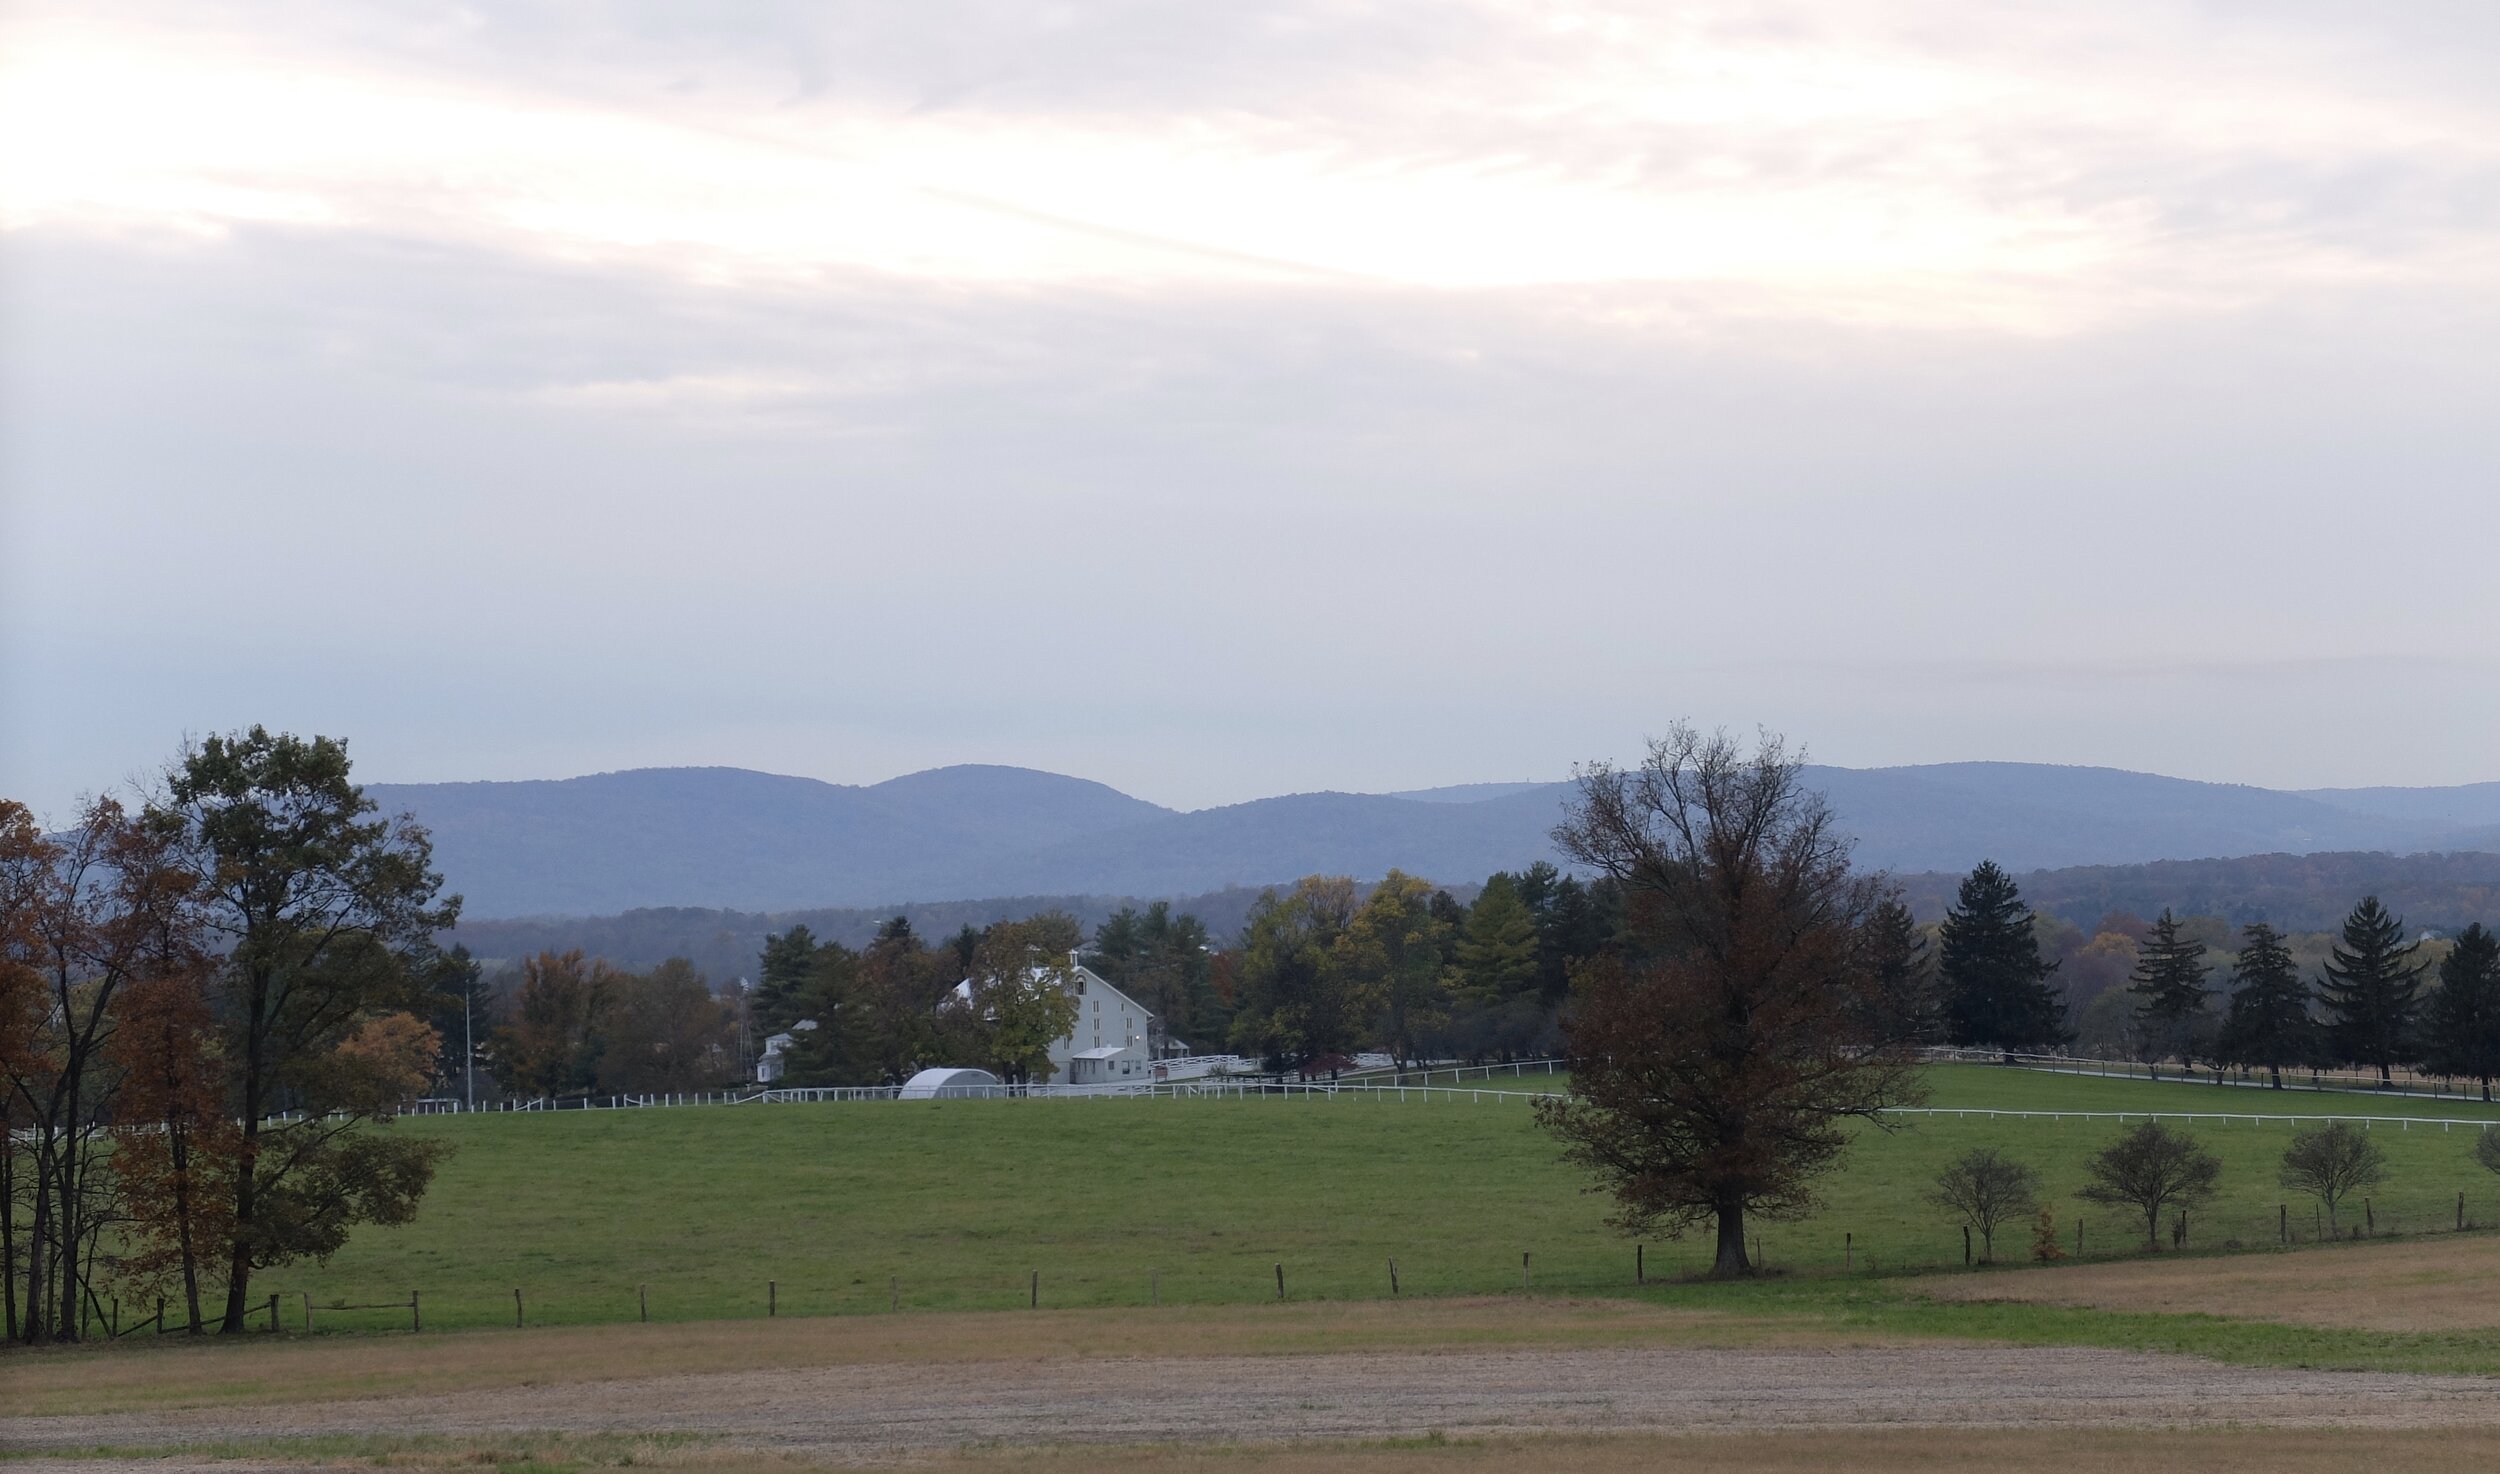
x=84, y=920
x=1718, y=1058
x=177, y=1146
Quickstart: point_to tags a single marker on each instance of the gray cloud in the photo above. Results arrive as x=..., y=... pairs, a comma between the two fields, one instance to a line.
x=496, y=510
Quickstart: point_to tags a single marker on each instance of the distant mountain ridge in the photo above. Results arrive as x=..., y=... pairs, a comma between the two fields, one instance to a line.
x=731, y=838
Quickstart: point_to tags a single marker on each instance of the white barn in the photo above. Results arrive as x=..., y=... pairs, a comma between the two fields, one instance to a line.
x=1113, y=1039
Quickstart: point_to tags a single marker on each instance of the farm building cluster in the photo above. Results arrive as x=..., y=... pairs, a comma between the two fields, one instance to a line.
x=1115, y=1038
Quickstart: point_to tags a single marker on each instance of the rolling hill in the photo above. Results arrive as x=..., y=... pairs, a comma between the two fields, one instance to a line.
x=729, y=838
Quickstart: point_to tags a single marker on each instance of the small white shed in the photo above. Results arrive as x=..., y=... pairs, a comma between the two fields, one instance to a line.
x=1108, y=1065
x=951, y=1085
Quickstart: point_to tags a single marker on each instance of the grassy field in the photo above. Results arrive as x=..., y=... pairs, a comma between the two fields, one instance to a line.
x=955, y=1205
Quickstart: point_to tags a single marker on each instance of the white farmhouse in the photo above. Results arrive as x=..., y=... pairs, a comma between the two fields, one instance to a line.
x=1113, y=1038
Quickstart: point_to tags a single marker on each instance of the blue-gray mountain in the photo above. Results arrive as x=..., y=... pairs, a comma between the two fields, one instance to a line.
x=724, y=837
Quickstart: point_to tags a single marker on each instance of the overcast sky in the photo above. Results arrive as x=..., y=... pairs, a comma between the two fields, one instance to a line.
x=1226, y=399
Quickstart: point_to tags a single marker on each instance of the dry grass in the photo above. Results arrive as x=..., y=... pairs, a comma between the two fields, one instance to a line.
x=256, y=1370
x=2412, y=1285
x=1909, y=1451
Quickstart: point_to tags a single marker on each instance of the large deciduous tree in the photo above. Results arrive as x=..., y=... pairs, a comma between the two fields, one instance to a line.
x=2373, y=991
x=2268, y=1026
x=1023, y=988
x=1299, y=1007
x=1719, y=1059
x=1393, y=950
x=327, y=913
x=2462, y=1033
x=1996, y=983
x=109, y=907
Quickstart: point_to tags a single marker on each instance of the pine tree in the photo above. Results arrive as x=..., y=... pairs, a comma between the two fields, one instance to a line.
x=2169, y=987
x=1905, y=1005
x=2268, y=1024
x=2463, y=1037
x=1996, y=984
x=1497, y=951
x=2373, y=990
x=780, y=975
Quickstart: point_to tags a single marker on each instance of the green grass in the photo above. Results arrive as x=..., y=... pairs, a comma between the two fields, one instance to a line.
x=954, y=1204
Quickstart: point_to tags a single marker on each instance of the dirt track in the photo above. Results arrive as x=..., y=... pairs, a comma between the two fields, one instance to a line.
x=863, y=1412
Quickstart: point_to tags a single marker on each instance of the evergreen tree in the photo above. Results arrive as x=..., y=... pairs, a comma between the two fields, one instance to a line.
x=2373, y=990
x=2169, y=988
x=2463, y=1037
x=781, y=973
x=1996, y=983
x=1497, y=951
x=1904, y=1004
x=2268, y=1025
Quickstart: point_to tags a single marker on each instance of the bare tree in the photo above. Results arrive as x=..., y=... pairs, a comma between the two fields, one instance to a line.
x=1987, y=1190
x=2332, y=1161
x=2150, y=1169
x=1718, y=1061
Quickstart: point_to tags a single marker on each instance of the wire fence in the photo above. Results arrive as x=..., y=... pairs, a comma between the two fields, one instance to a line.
x=2401, y=1081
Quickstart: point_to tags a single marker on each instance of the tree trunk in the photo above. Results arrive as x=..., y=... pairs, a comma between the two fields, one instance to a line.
x=1731, y=1262
x=239, y=1263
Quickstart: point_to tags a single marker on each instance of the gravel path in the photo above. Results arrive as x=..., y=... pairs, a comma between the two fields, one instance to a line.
x=861, y=1412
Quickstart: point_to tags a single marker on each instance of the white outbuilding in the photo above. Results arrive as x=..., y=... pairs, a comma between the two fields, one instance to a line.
x=952, y=1085
x=1108, y=1065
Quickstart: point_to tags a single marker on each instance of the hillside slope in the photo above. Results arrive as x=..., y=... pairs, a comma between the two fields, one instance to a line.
x=723, y=837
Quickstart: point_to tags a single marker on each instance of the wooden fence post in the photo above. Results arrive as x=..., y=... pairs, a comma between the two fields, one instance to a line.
x=2282, y=1223
x=516, y=1307
x=1848, y=1252
x=642, y=1296
x=772, y=1298
x=273, y=1310
x=1280, y=1279
x=1523, y=1269
x=416, y=1316
x=307, y=1294
x=1393, y=1276
x=1966, y=1246
x=2460, y=1212
x=1035, y=1302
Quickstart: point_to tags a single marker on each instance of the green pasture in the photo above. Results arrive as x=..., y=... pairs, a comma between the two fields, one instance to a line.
x=852, y=1208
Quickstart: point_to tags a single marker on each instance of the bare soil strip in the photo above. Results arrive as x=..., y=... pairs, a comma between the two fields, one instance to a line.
x=180, y=1373
x=2442, y=1284
x=879, y=1411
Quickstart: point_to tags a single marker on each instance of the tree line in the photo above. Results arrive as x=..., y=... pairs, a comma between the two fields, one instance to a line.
x=205, y=1002
x=2370, y=1003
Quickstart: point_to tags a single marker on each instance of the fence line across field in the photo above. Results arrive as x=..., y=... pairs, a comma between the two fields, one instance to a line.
x=1215, y=1089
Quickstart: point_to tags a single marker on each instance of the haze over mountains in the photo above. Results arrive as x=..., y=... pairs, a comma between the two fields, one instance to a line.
x=726, y=837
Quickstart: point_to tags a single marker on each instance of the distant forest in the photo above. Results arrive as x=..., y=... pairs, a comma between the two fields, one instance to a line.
x=2295, y=893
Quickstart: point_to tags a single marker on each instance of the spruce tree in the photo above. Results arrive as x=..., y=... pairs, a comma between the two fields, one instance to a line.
x=2169, y=988
x=782, y=972
x=1904, y=1005
x=2268, y=1025
x=1996, y=983
x=2463, y=1037
x=2373, y=990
